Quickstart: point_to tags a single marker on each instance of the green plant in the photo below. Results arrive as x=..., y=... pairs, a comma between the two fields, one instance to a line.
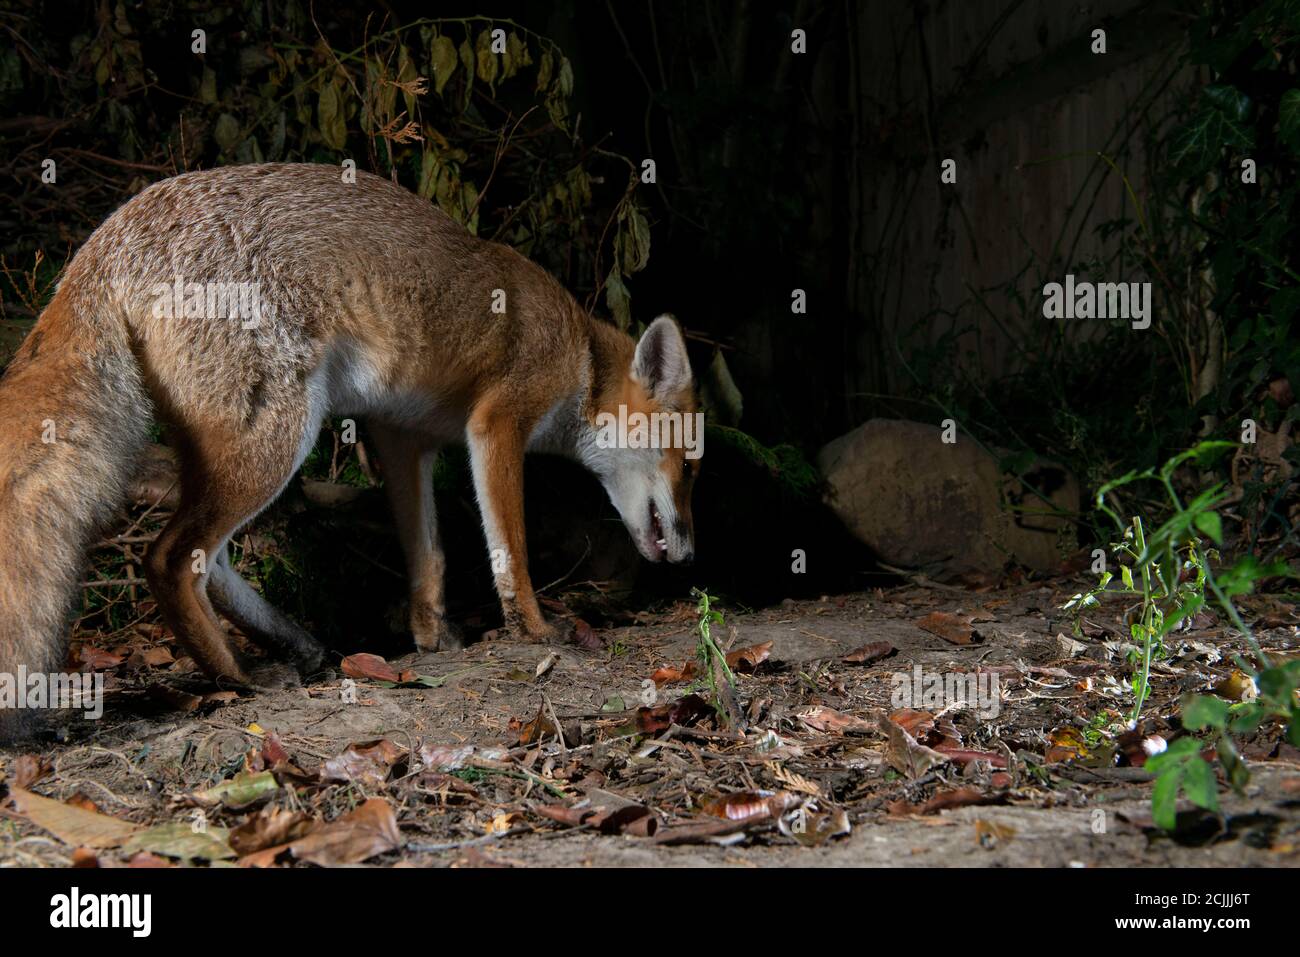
x=1172, y=571
x=713, y=667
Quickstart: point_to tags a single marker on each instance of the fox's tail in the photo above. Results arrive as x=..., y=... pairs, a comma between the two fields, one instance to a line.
x=74, y=418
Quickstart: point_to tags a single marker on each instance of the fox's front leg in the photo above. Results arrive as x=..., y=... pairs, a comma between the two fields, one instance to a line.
x=497, y=440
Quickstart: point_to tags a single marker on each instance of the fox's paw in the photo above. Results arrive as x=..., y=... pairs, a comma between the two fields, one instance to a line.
x=273, y=676
x=309, y=658
x=437, y=634
x=546, y=633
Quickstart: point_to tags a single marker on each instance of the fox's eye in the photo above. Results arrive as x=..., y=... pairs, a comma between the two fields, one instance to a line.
x=686, y=468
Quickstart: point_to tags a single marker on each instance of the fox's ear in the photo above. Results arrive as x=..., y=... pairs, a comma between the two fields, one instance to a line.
x=661, y=363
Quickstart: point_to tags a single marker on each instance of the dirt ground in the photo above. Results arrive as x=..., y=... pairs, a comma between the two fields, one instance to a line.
x=469, y=770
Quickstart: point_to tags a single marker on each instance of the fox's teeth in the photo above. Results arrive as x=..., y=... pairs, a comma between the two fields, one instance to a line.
x=662, y=543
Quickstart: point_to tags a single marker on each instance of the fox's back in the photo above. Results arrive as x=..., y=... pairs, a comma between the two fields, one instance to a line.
x=360, y=283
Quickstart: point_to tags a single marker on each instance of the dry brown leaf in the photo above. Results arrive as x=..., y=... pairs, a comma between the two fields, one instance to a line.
x=30, y=768
x=269, y=827
x=744, y=660
x=370, y=666
x=950, y=627
x=684, y=711
x=71, y=825
x=828, y=719
x=368, y=831
x=750, y=806
x=584, y=636
x=97, y=659
x=869, y=653
x=368, y=763
x=1065, y=744
x=748, y=659
x=905, y=755
x=957, y=797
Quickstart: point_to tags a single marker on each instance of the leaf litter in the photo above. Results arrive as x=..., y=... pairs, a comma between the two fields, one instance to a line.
x=629, y=745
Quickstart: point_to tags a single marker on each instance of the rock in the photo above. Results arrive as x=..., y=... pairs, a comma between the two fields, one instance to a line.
x=946, y=508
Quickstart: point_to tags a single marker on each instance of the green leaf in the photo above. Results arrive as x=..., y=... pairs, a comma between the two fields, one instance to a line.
x=1164, y=799
x=241, y=790
x=1204, y=711
x=1197, y=145
x=633, y=240
x=226, y=131
x=1247, y=717
x=333, y=127
x=1288, y=119
x=1126, y=574
x=486, y=64
x=1229, y=101
x=444, y=59
x=1199, y=784
x=618, y=299
x=1211, y=525
x=179, y=839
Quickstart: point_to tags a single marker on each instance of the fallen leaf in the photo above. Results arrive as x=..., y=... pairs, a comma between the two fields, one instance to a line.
x=370, y=666
x=146, y=860
x=964, y=756
x=501, y=823
x=828, y=719
x=684, y=711
x=944, y=800
x=1065, y=744
x=950, y=627
x=158, y=656
x=273, y=751
x=584, y=636
x=30, y=768
x=869, y=653
x=368, y=831
x=905, y=755
x=813, y=829
x=180, y=840
x=749, y=806
x=368, y=763
x=269, y=827
x=71, y=825
x=743, y=660
x=240, y=791
x=746, y=660
x=539, y=729
x=97, y=659
x=546, y=664
x=916, y=723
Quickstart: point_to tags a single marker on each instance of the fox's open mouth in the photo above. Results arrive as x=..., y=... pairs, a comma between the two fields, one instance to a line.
x=657, y=530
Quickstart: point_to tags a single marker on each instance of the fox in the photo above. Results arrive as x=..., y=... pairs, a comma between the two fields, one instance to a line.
x=336, y=296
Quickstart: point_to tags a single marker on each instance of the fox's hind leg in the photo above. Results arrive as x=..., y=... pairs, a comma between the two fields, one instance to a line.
x=407, y=460
x=261, y=621
x=227, y=477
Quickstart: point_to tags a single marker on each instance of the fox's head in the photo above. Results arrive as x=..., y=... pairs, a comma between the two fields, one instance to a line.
x=647, y=440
